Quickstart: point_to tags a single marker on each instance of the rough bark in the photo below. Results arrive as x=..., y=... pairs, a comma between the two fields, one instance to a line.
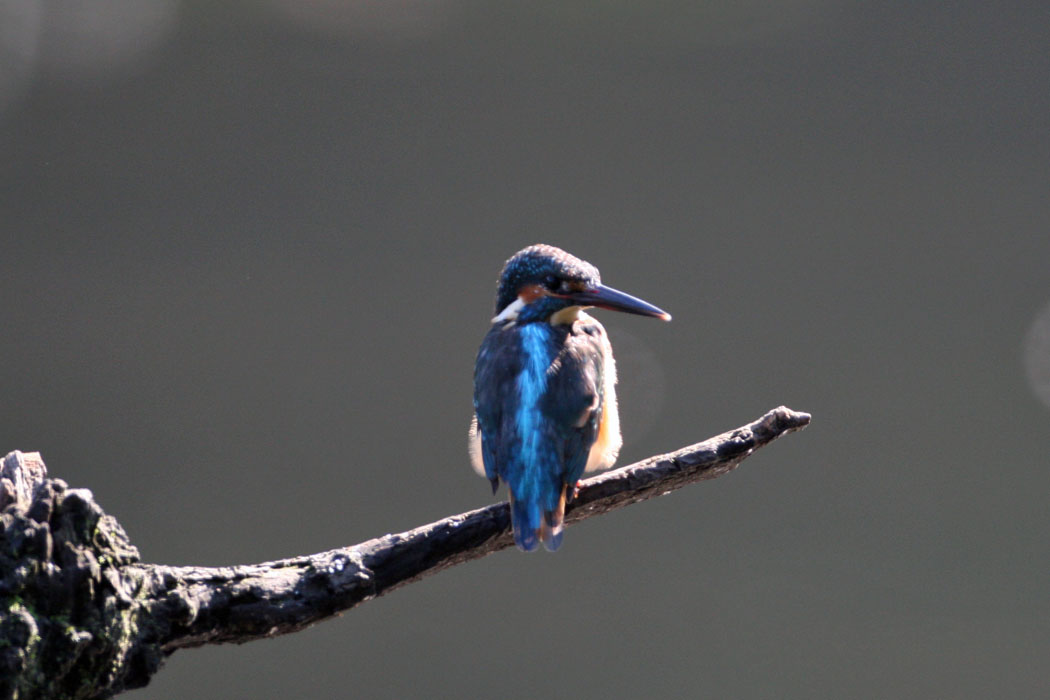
x=82, y=617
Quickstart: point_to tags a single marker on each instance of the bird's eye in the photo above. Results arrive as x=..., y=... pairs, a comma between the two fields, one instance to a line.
x=551, y=282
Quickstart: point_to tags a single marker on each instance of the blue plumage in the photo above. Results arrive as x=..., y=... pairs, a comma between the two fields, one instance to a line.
x=529, y=472
x=544, y=396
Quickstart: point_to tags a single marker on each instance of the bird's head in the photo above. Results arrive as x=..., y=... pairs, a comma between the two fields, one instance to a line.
x=541, y=281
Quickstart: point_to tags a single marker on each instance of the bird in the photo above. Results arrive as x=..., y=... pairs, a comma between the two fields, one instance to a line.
x=545, y=388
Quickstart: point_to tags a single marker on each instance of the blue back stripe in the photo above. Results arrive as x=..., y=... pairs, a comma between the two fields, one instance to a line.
x=532, y=383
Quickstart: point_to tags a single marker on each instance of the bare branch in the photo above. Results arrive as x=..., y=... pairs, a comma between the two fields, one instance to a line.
x=131, y=615
x=240, y=603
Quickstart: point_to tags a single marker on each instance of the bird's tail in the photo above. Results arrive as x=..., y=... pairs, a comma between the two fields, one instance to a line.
x=534, y=524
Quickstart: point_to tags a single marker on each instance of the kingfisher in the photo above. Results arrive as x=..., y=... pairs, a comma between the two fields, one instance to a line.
x=545, y=388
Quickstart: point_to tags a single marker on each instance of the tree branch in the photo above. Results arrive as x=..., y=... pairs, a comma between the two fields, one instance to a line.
x=83, y=617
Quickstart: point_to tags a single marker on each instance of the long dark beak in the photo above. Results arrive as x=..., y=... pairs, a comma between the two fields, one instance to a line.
x=608, y=298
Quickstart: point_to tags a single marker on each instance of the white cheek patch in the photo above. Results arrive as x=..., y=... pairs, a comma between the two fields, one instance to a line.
x=510, y=314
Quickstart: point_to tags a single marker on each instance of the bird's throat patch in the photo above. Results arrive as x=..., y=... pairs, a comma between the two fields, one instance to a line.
x=567, y=316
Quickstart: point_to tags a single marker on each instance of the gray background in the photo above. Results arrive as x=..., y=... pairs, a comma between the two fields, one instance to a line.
x=249, y=252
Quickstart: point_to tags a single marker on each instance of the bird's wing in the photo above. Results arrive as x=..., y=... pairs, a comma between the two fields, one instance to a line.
x=495, y=383
x=576, y=402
